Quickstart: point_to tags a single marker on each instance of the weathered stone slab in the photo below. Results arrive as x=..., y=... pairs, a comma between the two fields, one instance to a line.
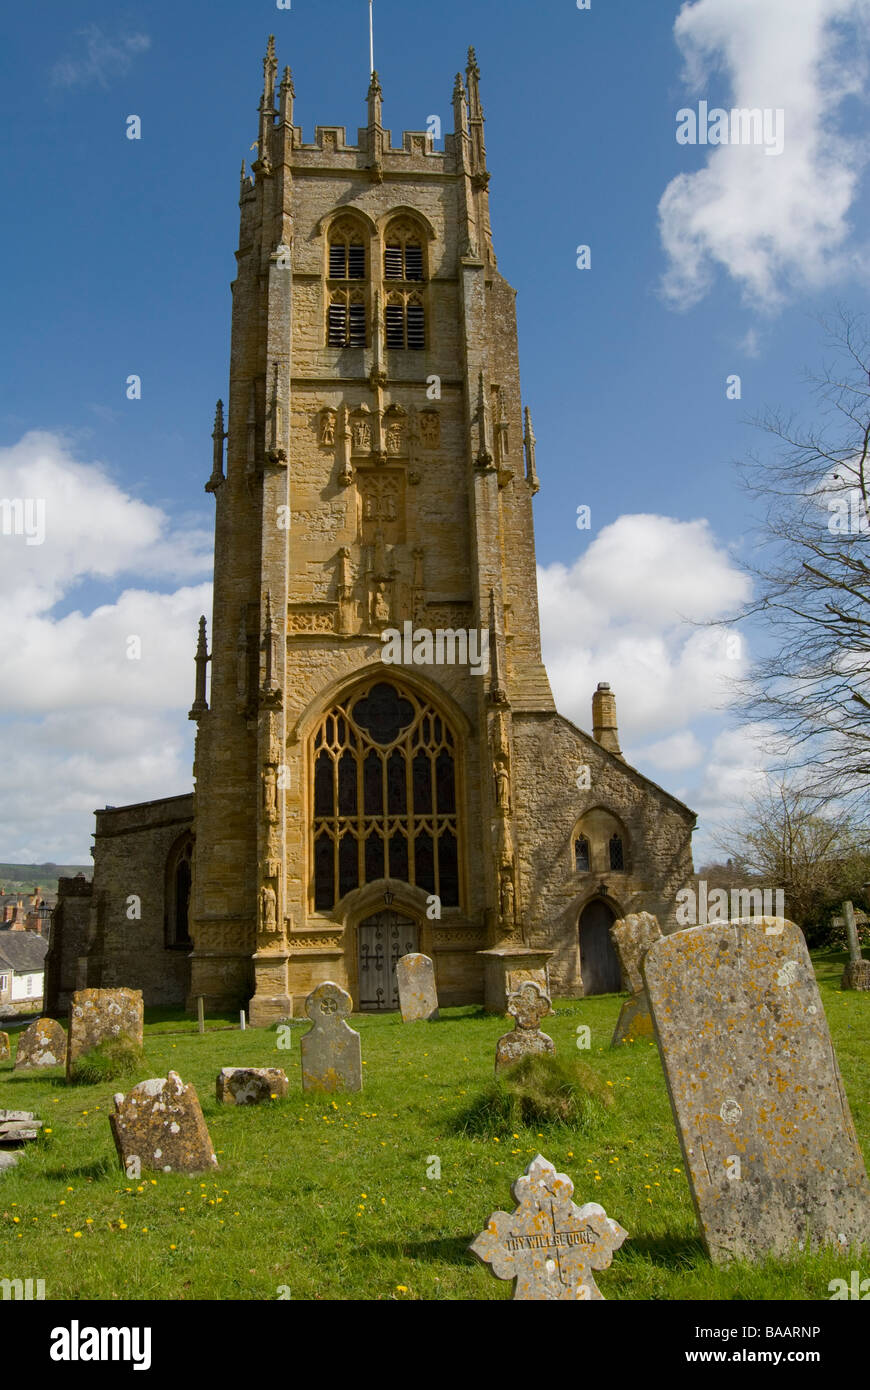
x=549, y=1245
x=158, y=1127
x=418, y=997
x=7, y=1161
x=43, y=1044
x=250, y=1085
x=763, y=1121
x=632, y=937
x=17, y=1126
x=331, y=1049
x=100, y=1015
x=5, y=1049
x=527, y=1005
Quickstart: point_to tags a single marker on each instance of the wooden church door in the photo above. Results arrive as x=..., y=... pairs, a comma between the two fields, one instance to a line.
x=599, y=963
x=383, y=940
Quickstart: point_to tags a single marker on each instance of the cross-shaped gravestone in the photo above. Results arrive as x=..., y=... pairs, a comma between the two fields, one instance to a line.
x=331, y=1051
x=857, y=972
x=527, y=1005
x=549, y=1245
x=632, y=937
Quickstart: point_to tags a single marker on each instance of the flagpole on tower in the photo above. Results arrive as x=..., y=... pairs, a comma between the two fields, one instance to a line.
x=371, y=36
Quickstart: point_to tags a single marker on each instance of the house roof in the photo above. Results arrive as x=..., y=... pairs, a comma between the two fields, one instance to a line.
x=24, y=951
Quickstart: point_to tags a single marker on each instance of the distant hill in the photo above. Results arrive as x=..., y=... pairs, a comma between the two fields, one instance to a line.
x=23, y=878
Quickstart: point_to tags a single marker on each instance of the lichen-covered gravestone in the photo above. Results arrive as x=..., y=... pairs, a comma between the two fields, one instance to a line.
x=102, y=1015
x=549, y=1245
x=250, y=1085
x=43, y=1044
x=763, y=1121
x=331, y=1051
x=5, y=1051
x=527, y=1006
x=418, y=997
x=632, y=937
x=158, y=1127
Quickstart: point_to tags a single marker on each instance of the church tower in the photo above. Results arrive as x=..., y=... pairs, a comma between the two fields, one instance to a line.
x=379, y=763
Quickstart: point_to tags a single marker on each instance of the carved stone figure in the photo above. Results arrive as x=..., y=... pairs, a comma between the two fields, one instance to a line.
x=327, y=427
x=430, y=429
x=268, y=909
x=503, y=787
x=270, y=792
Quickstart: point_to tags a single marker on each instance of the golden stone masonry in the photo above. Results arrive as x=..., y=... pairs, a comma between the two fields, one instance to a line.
x=375, y=468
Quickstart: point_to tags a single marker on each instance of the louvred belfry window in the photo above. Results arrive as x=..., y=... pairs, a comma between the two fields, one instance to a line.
x=384, y=796
x=347, y=318
x=406, y=322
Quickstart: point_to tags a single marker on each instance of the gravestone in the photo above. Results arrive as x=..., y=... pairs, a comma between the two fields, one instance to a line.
x=43, y=1044
x=632, y=937
x=527, y=1005
x=101, y=1015
x=250, y=1085
x=158, y=1127
x=418, y=997
x=5, y=1050
x=18, y=1126
x=549, y=1245
x=331, y=1050
x=857, y=972
x=764, y=1125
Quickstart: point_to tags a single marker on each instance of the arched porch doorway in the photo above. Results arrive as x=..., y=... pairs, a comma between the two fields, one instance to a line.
x=599, y=963
x=382, y=940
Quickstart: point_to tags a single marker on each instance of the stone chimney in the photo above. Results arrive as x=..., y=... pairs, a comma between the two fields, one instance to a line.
x=604, y=726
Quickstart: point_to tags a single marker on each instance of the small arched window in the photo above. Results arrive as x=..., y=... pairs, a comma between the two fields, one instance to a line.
x=347, y=252
x=403, y=252
x=581, y=854
x=617, y=857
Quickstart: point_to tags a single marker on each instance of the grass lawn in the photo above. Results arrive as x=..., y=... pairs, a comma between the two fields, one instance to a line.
x=329, y=1198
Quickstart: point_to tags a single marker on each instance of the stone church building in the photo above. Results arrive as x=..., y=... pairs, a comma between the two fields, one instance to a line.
x=373, y=481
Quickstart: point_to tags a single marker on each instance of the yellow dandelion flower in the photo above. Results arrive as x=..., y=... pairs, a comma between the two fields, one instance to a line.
x=401, y=1288
x=77, y=1236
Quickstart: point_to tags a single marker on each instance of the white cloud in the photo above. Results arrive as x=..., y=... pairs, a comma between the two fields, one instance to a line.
x=674, y=754
x=81, y=724
x=99, y=59
x=625, y=613
x=773, y=222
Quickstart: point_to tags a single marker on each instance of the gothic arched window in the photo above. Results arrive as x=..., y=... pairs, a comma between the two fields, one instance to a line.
x=179, y=874
x=347, y=319
x=384, y=796
x=406, y=322
x=581, y=854
x=617, y=857
x=403, y=252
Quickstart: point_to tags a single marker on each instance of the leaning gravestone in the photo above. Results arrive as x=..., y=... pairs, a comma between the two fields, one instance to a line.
x=250, y=1085
x=159, y=1127
x=331, y=1050
x=549, y=1245
x=527, y=1005
x=763, y=1121
x=632, y=938
x=101, y=1015
x=43, y=1044
x=5, y=1051
x=418, y=997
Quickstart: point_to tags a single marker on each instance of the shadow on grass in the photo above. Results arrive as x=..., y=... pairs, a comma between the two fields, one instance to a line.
x=100, y=1168
x=453, y=1250
x=674, y=1252
x=37, y=1074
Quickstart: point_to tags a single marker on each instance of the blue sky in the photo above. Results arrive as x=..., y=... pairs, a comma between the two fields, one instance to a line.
x=120, y=254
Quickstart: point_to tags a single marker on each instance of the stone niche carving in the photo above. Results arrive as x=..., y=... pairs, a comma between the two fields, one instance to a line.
x=382, y=507
x=326, y=429
x=430, y=429
x=396, y=431
x=361, y=430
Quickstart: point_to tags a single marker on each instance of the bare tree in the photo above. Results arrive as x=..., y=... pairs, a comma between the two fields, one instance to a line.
x=811, y=687
x=781, y=837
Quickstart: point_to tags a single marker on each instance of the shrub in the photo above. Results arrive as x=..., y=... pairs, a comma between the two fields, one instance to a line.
x=109, y=1061
x=540, y=1090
